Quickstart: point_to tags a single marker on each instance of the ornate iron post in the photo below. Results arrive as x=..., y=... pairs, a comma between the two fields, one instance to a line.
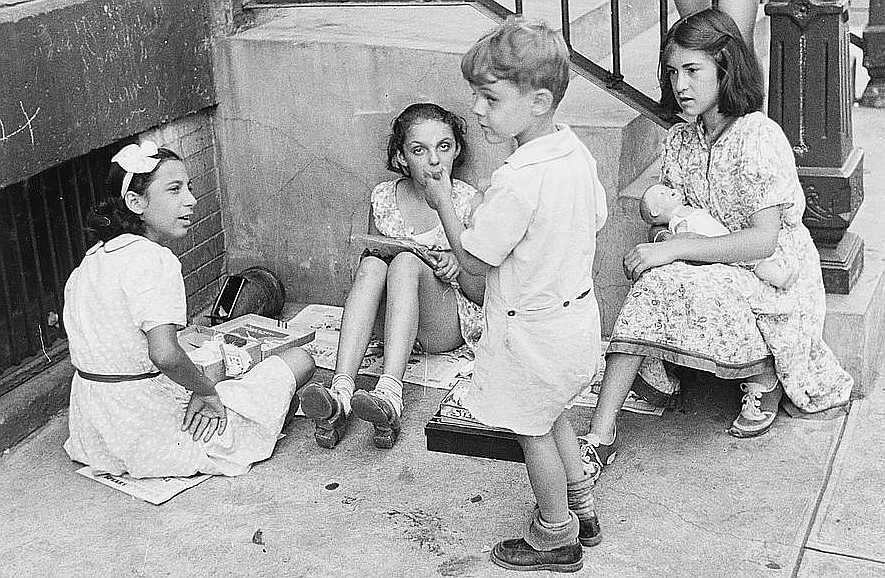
x=874, y=56
x=810, y=97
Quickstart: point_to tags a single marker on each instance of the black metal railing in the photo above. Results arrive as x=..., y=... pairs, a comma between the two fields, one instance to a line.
x=610, y=80
x=42, y=239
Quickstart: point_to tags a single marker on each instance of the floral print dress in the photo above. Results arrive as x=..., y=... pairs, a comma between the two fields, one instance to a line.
x=390, y=222
x=721, y=318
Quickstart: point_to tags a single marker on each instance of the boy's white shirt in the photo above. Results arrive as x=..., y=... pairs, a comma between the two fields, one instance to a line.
x=527, y=255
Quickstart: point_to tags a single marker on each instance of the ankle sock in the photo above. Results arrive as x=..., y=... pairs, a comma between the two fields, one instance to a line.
x=342, y=389
x=580, y=498
x=391, y=389
x=543, y=535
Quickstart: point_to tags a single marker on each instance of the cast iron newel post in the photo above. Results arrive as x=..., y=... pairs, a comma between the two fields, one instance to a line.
x=874, y=55
x=810, y=97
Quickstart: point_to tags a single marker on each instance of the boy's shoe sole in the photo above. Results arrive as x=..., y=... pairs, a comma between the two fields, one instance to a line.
x=517, y=554
x=381, y=414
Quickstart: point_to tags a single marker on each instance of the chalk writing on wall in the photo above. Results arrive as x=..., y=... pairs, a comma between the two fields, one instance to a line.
x=27, y=125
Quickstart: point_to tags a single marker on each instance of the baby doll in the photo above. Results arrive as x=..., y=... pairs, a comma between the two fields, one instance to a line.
x=662, y=205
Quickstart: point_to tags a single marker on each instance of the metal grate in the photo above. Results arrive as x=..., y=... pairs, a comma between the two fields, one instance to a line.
x=42, y=238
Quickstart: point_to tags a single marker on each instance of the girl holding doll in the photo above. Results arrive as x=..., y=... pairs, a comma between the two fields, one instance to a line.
x=737, y=163
x=139, y=405
x=435, y=305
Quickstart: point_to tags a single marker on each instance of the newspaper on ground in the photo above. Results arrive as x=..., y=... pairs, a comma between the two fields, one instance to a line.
x=438, y=370
x=153, y=490
x=442, y=371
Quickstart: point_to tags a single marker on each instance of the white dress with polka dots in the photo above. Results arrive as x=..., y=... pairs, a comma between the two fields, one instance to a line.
x=121, y=290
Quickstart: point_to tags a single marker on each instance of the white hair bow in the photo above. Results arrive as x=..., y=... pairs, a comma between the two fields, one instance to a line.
x=135, y=158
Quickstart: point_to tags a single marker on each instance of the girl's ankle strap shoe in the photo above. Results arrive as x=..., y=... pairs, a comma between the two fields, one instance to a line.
x=381, y=413
x=595, y=454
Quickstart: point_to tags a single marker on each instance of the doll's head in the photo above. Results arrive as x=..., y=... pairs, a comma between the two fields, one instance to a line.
x=422, y=134
x=659, y=203
x=147, y=192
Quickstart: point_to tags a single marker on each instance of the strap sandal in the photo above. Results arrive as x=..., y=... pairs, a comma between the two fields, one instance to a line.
x=318, y=403
x=376, y=409
x=595, y=454
x=759, y=407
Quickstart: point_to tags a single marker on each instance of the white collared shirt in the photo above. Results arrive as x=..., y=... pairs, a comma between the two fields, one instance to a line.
x=538, y=222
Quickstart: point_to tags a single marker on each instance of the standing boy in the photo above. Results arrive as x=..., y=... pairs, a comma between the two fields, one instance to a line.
x=534, y=237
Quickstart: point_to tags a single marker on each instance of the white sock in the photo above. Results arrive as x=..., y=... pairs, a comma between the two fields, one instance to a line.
x=391, y=389
x=342, y=388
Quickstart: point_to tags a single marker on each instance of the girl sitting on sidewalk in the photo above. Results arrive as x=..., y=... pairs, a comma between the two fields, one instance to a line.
x=438, y=306
x=138, y=403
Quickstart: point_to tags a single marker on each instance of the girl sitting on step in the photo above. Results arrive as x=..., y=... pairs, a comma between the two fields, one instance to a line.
x=735, y=162
x=138, y=403
x=435, y=305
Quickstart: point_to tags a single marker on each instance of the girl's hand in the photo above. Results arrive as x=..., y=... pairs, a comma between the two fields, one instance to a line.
x=205, y=416
x=437, y=187
x=645, y=256
x=447, y=267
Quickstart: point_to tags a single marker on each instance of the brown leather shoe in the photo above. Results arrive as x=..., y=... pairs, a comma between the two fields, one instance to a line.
x=330, y=421
x=589, y=533
x=377, y=410
x=517, y=554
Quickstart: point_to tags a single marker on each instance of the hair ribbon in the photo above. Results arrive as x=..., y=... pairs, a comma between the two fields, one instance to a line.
x=136, y=159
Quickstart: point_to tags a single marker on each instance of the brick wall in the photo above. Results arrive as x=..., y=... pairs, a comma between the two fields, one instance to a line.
x=202, y=252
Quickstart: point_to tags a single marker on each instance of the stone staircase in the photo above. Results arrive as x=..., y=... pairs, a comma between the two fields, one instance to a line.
x=306, y=99
x=307, y=95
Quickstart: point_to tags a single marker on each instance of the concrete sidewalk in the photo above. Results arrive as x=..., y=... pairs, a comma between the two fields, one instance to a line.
x=682, y=499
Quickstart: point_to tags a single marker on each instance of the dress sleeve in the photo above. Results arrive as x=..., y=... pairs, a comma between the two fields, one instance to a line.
x=499, y=223
x=154, y=288
x=466, y=197
x=769, y=169
x=671, y=171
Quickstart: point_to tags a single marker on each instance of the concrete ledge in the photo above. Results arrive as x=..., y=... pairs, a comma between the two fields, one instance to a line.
x=31, y=404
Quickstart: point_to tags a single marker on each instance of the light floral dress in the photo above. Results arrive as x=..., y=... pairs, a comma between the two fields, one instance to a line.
x=121, y=290
x=390, y=222
x=721, y=318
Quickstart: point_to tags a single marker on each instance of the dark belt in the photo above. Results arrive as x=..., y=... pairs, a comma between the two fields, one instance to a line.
x=512, y=312
x=111, y=378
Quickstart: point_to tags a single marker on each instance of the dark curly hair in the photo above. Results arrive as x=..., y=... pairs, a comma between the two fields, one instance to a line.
x=417, y=113
x=714, y=32
x=111, y=217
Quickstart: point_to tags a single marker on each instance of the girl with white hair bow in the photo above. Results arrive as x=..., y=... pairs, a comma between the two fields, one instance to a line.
x=138, y=402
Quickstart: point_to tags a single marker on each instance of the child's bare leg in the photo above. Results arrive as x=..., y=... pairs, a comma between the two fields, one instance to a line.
x=329, y=408
x=301, y=363
x=567, y=446
x=620, y=371
x=358, y=318
x=418, y=305
x=547, y=476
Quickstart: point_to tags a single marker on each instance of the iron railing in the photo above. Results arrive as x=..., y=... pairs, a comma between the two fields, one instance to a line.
x=42, y=239
x=612, y=80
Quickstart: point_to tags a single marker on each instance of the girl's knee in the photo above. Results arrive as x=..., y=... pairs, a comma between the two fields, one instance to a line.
x=371, y=268
x=300, y=362
x=406, y=263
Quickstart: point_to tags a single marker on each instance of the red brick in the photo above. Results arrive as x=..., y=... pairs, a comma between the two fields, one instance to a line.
x=208, y=227
x=204, y=275
x=202, y=254
x=206, y=205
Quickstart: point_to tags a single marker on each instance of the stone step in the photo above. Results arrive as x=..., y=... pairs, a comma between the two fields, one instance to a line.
x=306, y=98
